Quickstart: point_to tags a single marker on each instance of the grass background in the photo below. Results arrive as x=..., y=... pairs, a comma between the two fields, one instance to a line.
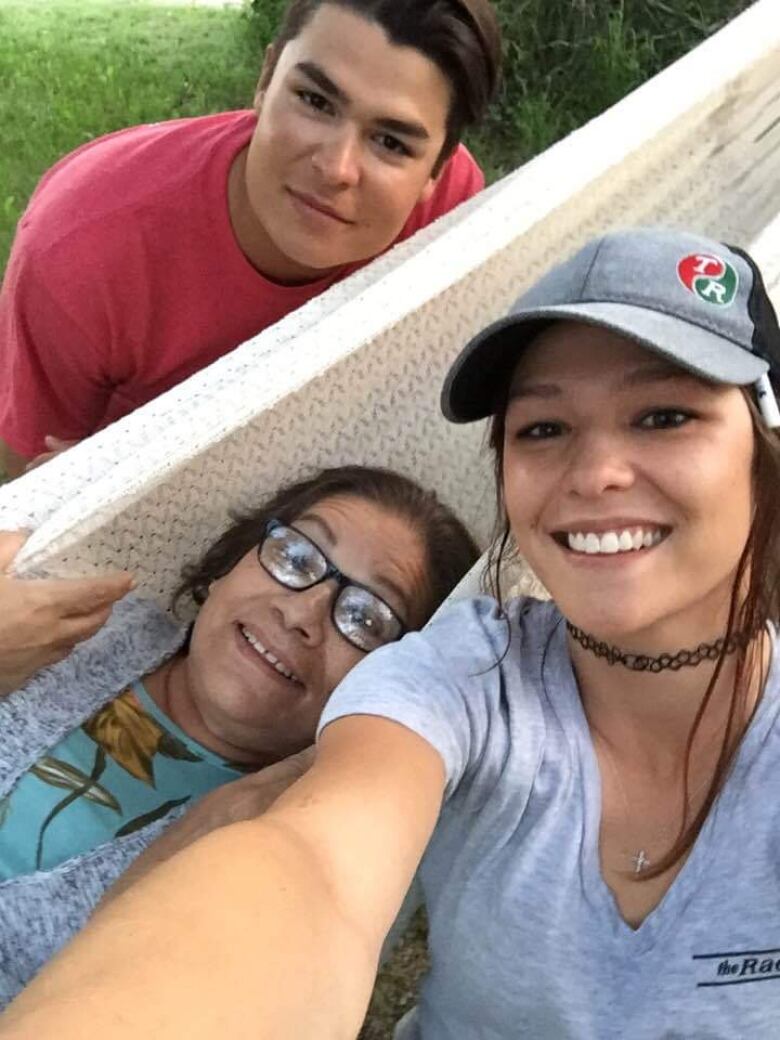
x=71, y=70
x=568, y=60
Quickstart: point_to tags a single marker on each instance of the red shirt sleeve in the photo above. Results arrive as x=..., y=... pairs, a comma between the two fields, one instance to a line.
x=52, y=381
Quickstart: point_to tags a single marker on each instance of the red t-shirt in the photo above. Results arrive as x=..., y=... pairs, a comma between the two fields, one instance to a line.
x=125, y=276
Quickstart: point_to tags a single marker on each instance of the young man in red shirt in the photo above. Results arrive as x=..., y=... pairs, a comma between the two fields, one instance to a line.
x=147, y=254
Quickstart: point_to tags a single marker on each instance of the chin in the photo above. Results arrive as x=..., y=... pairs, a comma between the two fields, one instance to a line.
x=622, y=624
x=321, y=261
x=314, y=264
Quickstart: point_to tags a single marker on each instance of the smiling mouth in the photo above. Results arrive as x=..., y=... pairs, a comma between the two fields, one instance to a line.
x=268, y=657
x=613, y=542
x=318, y=207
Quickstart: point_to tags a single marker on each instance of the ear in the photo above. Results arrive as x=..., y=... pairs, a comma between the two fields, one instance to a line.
x=266, y=73
x=430, y=187
x=214, y=584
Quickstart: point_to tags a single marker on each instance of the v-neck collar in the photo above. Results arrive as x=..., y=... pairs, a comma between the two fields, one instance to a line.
x=559, y=681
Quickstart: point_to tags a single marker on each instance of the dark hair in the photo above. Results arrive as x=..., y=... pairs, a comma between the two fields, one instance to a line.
x=461, y=37
x=755, y=600
x=449, y=548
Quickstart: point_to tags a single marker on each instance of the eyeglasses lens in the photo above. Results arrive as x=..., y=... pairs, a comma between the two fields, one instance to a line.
x=292, y=559
x=364, y=619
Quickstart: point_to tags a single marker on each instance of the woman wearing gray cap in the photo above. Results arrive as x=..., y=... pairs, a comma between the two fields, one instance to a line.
x=593, y=781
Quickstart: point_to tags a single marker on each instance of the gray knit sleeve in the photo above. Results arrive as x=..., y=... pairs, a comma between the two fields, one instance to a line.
x=41, y=912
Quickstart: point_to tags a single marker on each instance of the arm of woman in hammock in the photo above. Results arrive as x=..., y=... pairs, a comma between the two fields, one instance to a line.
x=265, y=929
x=41, y=620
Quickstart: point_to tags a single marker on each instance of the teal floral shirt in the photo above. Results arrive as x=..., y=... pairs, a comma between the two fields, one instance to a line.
x=125, y=767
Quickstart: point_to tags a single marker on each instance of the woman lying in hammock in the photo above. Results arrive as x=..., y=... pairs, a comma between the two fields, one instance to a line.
x=100, y=753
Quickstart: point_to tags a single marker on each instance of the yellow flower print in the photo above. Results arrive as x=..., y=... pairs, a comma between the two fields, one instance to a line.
x=132, y=737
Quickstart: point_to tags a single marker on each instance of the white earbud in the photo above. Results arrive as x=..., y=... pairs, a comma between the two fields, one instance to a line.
x=767, y=402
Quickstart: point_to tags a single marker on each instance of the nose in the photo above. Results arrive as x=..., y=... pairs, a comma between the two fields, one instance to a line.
x=306, y=612
x=337, y=159
x=598, y=462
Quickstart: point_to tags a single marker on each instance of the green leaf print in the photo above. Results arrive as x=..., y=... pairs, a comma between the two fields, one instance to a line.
x=57, y=773
x=149, y=817
x=171, y=747
x=80, y=792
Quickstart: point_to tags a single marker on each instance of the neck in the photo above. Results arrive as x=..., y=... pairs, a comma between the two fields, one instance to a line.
x=169, y=688
x=649, y=716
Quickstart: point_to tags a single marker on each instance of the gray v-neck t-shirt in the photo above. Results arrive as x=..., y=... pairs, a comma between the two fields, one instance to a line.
x=526, y=938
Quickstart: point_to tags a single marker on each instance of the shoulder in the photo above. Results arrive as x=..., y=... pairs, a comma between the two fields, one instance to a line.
x=477, y=625
x=115, y=177
x=460, y=178
x=462, y=173
x=460, y=683
x=464, y=639
x=137, y=637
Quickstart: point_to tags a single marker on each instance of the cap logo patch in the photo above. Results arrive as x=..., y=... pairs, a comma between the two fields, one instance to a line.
x=709, y=277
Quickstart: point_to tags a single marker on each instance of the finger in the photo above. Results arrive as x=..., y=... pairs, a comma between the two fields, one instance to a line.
x=301, y=761
x=286, y=771
x=58, y=639
x=56, y=444
x=39, y=460
x=76, y=597
x=76, y=630
x=10, y=544
x=306, y=757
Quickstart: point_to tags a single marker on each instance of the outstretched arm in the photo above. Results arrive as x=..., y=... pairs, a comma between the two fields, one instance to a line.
x=265, y=929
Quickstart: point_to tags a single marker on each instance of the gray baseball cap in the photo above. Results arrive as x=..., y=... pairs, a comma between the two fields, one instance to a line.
x=699, y=303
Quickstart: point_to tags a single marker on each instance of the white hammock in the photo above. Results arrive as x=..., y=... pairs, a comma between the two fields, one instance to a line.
x=355, y=375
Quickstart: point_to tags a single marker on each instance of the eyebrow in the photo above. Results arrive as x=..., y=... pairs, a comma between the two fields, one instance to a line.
x=319, y=76
x=400, y=126
x=380, y=580
x=643, y=376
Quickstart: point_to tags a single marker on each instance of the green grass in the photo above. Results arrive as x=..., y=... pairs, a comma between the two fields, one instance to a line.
x=71, y=70
x=566, y=61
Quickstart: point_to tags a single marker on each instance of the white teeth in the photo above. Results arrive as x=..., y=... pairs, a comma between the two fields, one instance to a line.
x=611, y=542
x=255, y=643
x=592, y=544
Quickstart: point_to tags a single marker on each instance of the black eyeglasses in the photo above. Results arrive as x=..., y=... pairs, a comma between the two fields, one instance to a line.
x=358, y=614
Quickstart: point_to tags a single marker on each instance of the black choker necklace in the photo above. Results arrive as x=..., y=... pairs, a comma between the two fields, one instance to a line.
x=643, y=663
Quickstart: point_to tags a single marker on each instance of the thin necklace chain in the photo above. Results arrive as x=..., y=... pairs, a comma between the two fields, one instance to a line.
x=639, y=858
x=663, y=662
x=615, y=656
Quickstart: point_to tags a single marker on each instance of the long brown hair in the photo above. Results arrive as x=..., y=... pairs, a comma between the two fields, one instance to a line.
x=757, y=573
